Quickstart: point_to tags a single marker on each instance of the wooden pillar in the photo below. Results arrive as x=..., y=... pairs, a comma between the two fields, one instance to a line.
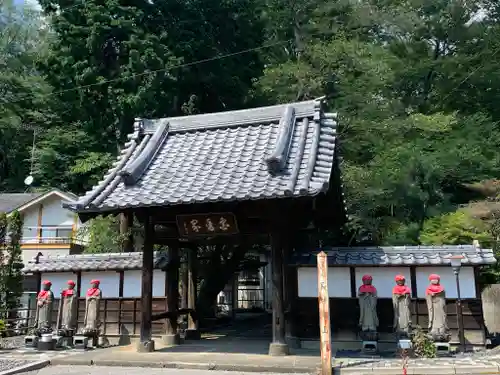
x=126, y=225
x=184, y=285
x=291, y=296
x=193, y=332
x=234, y=294
x=146, y=343
x=171, y=336
x=279, y=346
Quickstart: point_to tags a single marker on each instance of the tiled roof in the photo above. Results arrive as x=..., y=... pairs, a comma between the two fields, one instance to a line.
x=9, y=202
x=400, y=256
x=270, y=152
x=93, y=262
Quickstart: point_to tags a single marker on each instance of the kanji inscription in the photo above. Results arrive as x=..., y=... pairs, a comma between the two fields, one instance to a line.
x=207, y=224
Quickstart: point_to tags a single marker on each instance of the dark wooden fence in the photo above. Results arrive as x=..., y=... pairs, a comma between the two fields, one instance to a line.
x=344, y=315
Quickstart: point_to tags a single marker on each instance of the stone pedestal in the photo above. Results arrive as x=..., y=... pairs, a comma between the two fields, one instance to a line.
x=442, y=348
x=369, y=347
x=404, y=344
x=278, y=349
x=80, y=342
x=31, y=342
x=146, y=347
x=192, y=334
x=171, y=339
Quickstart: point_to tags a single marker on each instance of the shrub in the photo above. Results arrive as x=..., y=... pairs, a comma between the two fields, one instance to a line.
x=423, y=346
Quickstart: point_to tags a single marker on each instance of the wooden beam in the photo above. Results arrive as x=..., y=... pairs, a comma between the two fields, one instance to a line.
x=39, y=222
x=413, y=281
x=121, y=282
x=352, y=273
x=147, y=286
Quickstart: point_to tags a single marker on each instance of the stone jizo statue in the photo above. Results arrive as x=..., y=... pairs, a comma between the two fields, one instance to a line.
x=92, y=300
x=45, y=299
x=368, y=319
x=436, y=306
x=69, y=300
x=401, y=295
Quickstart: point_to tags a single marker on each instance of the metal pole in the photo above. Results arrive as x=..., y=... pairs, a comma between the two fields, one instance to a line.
x=460, y=317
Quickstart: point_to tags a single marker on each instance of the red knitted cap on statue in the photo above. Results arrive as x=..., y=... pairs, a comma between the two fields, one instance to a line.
x=367, y=277
x=95, y=282
x=71, y=282
x=46, y=282
x=434, y=277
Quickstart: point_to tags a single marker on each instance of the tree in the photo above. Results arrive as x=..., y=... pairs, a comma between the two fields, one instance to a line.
x=23, y=99
x=13, y=280
x=102, y=235
x=3, y=246
x=455, y=228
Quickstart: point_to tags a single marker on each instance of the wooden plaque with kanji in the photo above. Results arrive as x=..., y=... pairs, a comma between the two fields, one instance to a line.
x=212, y=224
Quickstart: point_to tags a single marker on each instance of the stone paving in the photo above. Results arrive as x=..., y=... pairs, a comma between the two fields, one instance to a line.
x=96, y=370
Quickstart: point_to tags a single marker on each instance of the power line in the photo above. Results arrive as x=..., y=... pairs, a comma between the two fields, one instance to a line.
x=468, y=76
x=198, y=62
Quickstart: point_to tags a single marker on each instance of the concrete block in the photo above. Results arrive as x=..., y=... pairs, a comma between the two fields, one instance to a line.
x=278, y=349
x=404, y=344
x=442, y=348
x=80, y=342
x=369, y=347
x=146, y=347
x=171, y=339
x=31, y=342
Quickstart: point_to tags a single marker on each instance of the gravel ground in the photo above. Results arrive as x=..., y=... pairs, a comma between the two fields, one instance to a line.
x=96, y=370
x=12, y=342
x=8, y=364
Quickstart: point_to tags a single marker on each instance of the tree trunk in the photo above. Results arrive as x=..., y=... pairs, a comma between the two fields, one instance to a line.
x=215, y=281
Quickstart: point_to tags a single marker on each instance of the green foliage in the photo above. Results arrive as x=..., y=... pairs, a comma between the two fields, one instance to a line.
x=102, y=235
x=423, y=346
x=12, y=278
x=455, y=228
x=413, y=82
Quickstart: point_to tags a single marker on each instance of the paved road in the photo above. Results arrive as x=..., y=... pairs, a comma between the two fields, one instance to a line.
x=96, y=370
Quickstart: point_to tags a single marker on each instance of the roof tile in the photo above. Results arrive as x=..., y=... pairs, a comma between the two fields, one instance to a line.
x=270, y=152
x=399, y=255
x=93, y=262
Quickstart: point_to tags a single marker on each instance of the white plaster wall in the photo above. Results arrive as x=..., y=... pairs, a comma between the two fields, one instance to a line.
x=383, y=278
x=54, y=214
x=30, y=218
x=339, y=282
x=110, y=283
x=467, y=281
x=132, y=286
x=59, y=281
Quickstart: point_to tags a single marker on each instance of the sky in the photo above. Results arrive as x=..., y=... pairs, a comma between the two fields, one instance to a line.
x=30, y=2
